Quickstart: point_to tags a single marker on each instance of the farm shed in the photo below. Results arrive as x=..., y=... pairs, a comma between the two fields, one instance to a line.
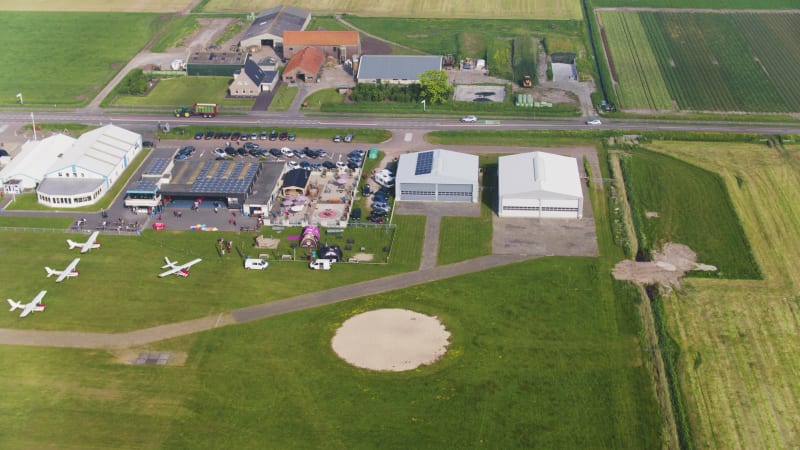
x=221, y=64
x=539, y=184
x=304, y=66
x=268, y=28
x=339, y=45
x=89, y=168
x=396, y=69
x=28, y=168
x=251, y=80
x=437, y=176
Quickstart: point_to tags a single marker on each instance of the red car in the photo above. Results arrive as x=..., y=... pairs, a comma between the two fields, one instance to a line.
x=373, y=219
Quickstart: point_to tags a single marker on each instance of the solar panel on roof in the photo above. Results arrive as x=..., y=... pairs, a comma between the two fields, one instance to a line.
x=157, y=166
x=424, y=163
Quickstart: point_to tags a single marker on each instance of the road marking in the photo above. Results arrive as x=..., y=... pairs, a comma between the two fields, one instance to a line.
x=3, y=128
x=408, y=137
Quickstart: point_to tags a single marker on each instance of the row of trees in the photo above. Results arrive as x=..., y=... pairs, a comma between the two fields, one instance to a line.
x=433, y=87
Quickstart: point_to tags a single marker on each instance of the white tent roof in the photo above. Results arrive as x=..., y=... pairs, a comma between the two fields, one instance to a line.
x=35, y=158
x=446, y=167
x=538, y=174
x=99, y=151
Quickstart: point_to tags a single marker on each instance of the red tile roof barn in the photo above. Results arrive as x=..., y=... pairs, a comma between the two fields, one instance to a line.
x=309, y=59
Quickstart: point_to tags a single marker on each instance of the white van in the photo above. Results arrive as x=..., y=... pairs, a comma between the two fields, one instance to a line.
x=321, y=264
x=383, y=179
x=255, y=264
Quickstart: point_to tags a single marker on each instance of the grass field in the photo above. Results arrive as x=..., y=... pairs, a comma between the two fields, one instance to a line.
x=502, y=9
x=640, y=85
x=697, y=4
x=174, y=92
x=156, y=6
x=739, y=338
x=708, y=61
x=60, y=69
x=693, y=208
x=522, y=371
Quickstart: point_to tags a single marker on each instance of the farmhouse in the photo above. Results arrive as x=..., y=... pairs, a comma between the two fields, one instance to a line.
x=538, y=184
x=268, y=28
x=304, y=66
x=397, y=69
x=251, y=80
x=221, y=64
x=89, y=168
x=437, y=176
x=339, y=45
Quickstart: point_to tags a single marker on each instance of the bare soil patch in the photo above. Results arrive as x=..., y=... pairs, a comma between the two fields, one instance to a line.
x=666, y=269
x=391, y=340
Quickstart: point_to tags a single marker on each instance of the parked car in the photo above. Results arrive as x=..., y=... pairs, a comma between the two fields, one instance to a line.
x=292, y=136
x=144, y=144
x=263, y=135
x=366, y=190
x=316, y=166
x=255, y=264
x=305, y=165
x=273, y=135
x=181, y=156
x=341, y=164
x=245, y=136
x=218, y=135
x=198, y=135
x=188, y=150
x=235, y=136
x=375, y=219
x=286, y=151
x=328, y=164
x=230, y=151
x=348, y=137
x=310, y=153
x=219, y=152
x=352, y=165
x=209, y=135
x=337, y=138
x=275, y=152
x=226, y=135
x=241, y=151
x=293, y=165
x=321, y=264
x=357, y=152
x=379, y=213
x=321, y=153
x=299, y=153
x=284, y=135
x=253, y=136
x=469, y=119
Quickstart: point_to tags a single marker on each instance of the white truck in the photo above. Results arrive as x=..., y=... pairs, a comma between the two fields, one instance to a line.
x=321, y=264
x=255, y=264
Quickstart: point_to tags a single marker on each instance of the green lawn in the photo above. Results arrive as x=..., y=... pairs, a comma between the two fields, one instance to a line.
x=63, y=58
x=174, y=92
x=693, y=208
x=283, y=98
x=525, y=369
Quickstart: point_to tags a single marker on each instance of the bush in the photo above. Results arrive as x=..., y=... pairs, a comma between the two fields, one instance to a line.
x=134, y=83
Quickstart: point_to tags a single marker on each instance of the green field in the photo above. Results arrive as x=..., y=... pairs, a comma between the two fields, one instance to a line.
x=708, y=61
x=44, y=60
x=502, y=9
x=173, y=92
x=523, y=370
x=638, y=77
x=693, y=208
x=95, y=5
x=738, y=338
x=697, y=4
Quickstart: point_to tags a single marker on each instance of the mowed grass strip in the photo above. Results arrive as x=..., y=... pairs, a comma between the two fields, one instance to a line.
x=156, y=6
x=738, y=338
x=502, y=9
x=641, y=85
x=64, y=59
x=692, y=207
x=700, y=4
x=526, y=368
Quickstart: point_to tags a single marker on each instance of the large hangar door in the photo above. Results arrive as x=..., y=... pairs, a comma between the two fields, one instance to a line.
x=425, y=192
x=455, y=192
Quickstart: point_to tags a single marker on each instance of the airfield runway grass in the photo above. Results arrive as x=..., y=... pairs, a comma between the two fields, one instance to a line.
x=739, y=338
x=540, y=353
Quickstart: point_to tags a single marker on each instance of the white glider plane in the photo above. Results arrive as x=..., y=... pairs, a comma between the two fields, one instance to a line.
x=181, y=270
x=27, y=308
x=69, y=272
x=85, y=246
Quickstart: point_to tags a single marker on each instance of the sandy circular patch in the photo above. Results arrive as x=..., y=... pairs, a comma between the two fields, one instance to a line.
x=391, y=339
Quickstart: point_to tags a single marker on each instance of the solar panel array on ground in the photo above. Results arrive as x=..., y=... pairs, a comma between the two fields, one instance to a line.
x=157, y=167
x=225, y=177
x=424, y=163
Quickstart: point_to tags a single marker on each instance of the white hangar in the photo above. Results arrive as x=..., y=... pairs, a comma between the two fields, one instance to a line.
x=538, y=184
x=437, y=176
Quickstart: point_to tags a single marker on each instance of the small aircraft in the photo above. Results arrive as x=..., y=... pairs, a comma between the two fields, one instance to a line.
x=69, y=272
x=27, y=308
x=181, y=270
x=85, y=246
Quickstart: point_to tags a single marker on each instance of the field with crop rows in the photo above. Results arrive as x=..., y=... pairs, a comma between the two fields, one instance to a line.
x=639, y=80
x=739, y=338
x=95, y=5
x=716, y=62
x=705, y=4
x=499, y=9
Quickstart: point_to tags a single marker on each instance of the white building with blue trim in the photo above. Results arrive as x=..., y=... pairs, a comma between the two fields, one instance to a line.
x=84, y=172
